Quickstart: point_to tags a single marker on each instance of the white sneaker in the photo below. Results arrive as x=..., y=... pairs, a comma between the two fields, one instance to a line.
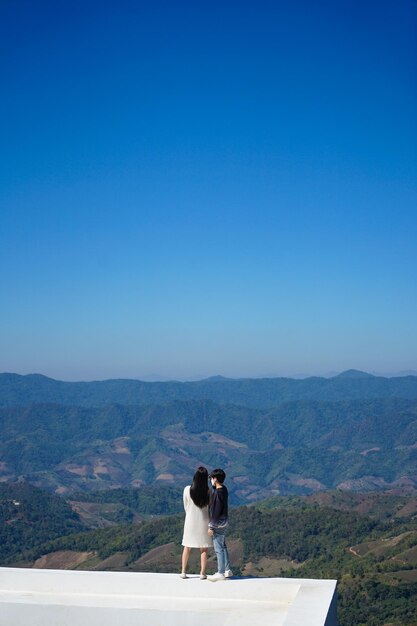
x=216, y=577
x=228, y=573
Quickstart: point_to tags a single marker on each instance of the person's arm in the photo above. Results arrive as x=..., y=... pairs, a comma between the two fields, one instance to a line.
x=210, y=508
x=185, y=498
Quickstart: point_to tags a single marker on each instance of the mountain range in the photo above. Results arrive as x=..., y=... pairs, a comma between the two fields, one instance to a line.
x=18, y=390
x=272, y=436
x=121, y=451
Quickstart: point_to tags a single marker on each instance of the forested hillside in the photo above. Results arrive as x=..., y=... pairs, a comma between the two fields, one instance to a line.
x=116, y=506
x=374, y=558
x=30, y=516
x=297, y=447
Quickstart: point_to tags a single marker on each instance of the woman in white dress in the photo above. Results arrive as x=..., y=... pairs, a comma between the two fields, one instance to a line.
x=196, y=499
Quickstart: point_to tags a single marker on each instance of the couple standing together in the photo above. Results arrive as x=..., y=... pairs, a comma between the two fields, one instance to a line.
x=206, y=519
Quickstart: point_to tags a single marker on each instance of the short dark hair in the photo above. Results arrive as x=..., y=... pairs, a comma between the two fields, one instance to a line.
x=219, y=474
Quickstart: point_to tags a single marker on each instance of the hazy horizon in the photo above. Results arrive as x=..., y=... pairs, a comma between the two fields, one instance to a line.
x=160, y=378
x=191, y=190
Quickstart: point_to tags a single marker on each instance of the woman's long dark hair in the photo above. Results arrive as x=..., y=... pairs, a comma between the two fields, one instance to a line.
x=199, y=490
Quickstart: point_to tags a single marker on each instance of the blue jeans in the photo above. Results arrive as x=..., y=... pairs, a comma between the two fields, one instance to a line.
x=220, y=548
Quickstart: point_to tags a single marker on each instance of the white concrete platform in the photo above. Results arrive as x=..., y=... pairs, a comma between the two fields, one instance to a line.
x=79, y=598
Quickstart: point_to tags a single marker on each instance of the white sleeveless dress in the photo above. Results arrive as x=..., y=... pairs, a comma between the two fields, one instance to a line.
x=196, y=524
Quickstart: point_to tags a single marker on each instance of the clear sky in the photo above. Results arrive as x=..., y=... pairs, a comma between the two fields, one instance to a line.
x=199, y=188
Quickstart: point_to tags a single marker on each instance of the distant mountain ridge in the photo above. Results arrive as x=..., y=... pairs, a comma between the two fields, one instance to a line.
x=17, y=390
x=355, y=374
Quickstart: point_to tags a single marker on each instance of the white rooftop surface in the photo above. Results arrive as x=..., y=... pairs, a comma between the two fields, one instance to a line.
x=80, y=598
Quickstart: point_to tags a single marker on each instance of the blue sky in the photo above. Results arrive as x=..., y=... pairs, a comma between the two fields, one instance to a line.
x=195, y=188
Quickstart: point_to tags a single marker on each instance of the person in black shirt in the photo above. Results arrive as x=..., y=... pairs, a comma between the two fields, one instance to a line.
x=218, y=521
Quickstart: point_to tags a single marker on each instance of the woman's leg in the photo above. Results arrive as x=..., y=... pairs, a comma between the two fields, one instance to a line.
x=185, y=555
x=203, y=558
